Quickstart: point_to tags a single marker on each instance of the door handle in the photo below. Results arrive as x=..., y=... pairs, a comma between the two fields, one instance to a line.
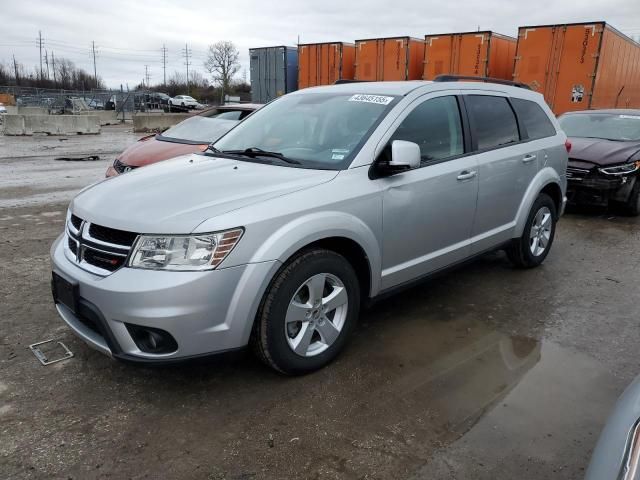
x=528, y=158
x=466, y=175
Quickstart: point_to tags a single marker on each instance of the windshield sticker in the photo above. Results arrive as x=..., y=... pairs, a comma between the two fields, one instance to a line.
x=339, y=153
x=379, y=99
x=633, y=117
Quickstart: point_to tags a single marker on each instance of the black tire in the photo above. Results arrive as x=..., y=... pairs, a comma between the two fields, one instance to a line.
x=269, y=336
x=519, y=251
x=633, y=204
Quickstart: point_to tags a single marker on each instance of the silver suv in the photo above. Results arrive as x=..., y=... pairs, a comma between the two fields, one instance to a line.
x=320, y=201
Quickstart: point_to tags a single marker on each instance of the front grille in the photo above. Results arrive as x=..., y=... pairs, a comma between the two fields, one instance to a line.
x=121, y=167
x=76, y=222
x=73, y=246
x=111, y=235
x=104, y=260
x=98, y=249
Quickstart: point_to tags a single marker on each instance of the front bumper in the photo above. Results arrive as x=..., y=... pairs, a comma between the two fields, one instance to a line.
x=205, y=312
x=592, y=187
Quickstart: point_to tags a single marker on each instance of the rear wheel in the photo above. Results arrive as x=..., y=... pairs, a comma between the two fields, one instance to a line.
x=308, y=313
x=533, y=246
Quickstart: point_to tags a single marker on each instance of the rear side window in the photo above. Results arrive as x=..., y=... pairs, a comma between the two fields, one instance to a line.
x=435, y=126
x=493, y=119
x=532, y=117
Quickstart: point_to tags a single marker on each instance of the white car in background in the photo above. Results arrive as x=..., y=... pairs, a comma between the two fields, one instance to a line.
x=3, y=109
x=184, y=101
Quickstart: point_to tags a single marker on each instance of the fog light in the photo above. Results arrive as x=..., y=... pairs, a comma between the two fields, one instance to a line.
x=152, y=340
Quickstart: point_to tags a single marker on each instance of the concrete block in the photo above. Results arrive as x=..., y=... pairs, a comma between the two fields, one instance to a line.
x=51, y=124
x=33, y=111
x=106, y=117
x=156, y=122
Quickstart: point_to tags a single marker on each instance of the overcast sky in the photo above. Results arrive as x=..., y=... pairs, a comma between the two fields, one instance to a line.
x=129, y=35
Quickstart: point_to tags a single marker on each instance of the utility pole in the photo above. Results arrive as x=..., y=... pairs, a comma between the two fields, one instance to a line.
x=146, y=74
x=186, y=53
x=95, y=71
x=15, y=69
x=53, y=67
x=46, y=61
x=164, y=65
x=40, y=46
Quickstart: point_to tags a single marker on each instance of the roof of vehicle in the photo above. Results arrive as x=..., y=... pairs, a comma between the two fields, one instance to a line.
x=610, y=111
x=406, y=87
x=240, y=106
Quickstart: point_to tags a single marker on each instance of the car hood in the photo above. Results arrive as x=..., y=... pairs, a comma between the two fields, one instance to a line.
x=177, y=195
x=594, y=151
x=150, y=150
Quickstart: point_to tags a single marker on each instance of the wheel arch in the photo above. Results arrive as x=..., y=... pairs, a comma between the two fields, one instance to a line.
x=340, y=232
x=546, y=181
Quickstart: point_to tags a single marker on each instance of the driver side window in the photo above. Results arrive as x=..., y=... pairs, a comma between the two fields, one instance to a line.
x=436, y=127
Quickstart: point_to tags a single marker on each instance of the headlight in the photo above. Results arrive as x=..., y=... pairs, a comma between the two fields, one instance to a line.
x=621, y=169
x=184, y=252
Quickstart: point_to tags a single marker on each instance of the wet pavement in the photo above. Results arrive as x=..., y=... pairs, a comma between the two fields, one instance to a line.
x=485, y=372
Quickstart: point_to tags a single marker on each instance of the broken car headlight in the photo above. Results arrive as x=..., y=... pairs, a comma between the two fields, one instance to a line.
x=621, y=169
x=184, y=252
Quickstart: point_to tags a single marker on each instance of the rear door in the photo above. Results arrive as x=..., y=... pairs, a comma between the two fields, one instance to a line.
x=506, y=167
x=428, y=212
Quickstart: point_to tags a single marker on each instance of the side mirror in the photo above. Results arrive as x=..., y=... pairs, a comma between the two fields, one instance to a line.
x=404, y=156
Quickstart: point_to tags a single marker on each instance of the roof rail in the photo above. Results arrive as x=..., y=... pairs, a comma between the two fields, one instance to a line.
x=346, y=80
x=457, y=78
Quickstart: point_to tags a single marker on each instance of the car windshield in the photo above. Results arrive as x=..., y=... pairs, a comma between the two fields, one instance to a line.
x=618, y=127
x=198, y=129
x=317, y=130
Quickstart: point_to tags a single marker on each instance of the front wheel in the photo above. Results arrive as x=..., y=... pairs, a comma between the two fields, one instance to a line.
x=533, y=246
x=307, y=313
x=633, y=204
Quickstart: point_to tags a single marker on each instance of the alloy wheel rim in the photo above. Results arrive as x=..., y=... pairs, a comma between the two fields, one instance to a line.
x=540, y=234
x=316, y=315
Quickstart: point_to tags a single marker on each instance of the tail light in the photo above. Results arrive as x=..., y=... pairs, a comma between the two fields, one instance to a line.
x=567, y=145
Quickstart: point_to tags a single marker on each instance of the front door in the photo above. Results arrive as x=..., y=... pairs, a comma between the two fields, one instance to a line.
x=428, y=212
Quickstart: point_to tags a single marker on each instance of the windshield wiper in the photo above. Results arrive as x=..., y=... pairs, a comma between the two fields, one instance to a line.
x=258, y=152
x=211, y=148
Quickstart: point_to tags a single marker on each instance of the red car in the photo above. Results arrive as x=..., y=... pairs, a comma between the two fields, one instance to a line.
x=189, y=136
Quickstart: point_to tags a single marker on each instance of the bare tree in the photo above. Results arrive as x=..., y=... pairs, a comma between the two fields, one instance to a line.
x=222, y=63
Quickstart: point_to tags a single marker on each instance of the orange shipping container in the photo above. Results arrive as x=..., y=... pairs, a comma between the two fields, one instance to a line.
x=324, y=63
x=395, y=58
x=579, y=66
x=478, y=54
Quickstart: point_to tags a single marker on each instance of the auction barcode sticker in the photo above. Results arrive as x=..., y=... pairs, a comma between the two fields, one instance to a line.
x=379, y=99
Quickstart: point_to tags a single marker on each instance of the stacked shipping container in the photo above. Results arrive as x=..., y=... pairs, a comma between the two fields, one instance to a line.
x=575, y=66
x=395, y=58
x=479, y=54
x=579, y=66
x=274, y=72
x=324, y=63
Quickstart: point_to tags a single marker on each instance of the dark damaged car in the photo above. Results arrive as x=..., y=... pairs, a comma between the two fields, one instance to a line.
x=604, y=163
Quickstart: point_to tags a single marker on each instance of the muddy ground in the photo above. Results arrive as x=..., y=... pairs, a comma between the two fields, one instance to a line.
x=486, y=372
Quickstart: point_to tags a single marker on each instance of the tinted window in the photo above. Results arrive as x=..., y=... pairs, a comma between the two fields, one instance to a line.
x=533, y=118
x=494, y=121
x=435, y=126
x=228, y=115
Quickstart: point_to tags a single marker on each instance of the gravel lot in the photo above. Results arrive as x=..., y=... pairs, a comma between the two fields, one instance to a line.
x=486, y=372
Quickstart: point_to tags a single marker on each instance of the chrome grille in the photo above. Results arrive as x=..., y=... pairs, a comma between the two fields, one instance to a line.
x=97, y=249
